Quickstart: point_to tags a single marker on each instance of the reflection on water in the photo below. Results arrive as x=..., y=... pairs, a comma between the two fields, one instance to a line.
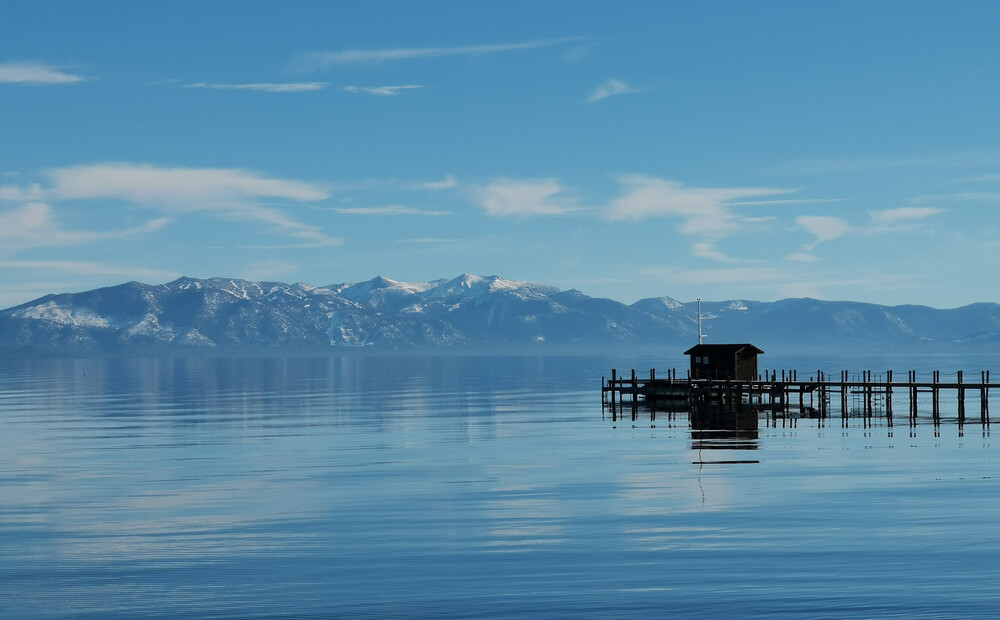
x=465, y=486
x=714, y=427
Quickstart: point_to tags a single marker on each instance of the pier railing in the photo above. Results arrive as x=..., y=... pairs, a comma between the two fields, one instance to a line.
x=820, y=395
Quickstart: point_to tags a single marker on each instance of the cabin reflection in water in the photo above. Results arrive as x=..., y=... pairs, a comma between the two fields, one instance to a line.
x=726, y=428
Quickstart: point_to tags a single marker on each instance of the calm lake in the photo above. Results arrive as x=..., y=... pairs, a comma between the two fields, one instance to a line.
x=471, y=486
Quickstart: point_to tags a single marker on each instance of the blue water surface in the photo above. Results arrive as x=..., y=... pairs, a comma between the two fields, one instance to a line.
x=470, y=486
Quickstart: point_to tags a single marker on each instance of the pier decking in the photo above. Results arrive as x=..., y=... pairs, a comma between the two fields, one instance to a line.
x=821, y=395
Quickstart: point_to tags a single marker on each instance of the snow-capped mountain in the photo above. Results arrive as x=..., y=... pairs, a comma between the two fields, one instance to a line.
x=466, y=313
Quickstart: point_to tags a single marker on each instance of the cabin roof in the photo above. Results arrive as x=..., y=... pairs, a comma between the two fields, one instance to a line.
x=724, y=349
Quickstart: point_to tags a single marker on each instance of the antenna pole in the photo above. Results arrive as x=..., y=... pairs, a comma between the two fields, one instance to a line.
x=701, y=336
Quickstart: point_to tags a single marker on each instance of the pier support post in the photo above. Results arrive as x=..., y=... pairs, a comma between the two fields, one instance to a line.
x=936, y=397
x=614, y=375
x=961, y=399
x=843, y=396
x=888, y=395
x=984, y=403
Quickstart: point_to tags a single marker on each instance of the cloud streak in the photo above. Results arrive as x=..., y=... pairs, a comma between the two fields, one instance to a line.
x=314, y=61
x=33, y=225
x=87, y=268
x=388, y=210
x=704, y=211
x=609, y=88
x=267, y=87
x=890, y=218
x=823, y=228
x=35, y=74
x=231, y=194
x=382, y=91
x=511, y=197
x=829, y=227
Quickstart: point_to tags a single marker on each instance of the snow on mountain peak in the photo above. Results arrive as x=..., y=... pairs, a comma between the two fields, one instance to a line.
x=469, y=285
x=379, y=286
x=53, y=312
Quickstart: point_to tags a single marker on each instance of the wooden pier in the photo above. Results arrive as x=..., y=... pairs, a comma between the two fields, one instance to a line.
x=865, y=394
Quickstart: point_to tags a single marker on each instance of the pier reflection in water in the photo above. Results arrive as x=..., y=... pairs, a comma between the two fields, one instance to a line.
x=716, y=424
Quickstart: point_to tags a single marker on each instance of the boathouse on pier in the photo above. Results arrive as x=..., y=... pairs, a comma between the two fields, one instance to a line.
x=724, y=361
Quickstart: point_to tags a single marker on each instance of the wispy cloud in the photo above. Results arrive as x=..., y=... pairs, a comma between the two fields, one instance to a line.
x=609, y=88
x=35, y=74
x=886, y=221
x=505, y=197
x=983, y=178
x=823, y=228
x=232, y=194
x=958, y=197
x=34, y=225
x=382, y=91
x=708, y=250
x=87, y=268
x=188, y=187
x=448, y=183
x=889, y=218
x=426, y=241
x=705, y=211
x=267, y=87
x=388, y=210
x=802, y=257
x=321, y=60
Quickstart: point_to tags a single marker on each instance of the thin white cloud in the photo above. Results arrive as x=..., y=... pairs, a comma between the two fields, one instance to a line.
x=231, y=194
x=983, y=178
x=786, y=201
x=448, y=183
x=609, y=88
x=382, y=91
x=801, y=257
x=705, y=211
x=35, y=74
x=34, y=225
x=17, y=193
x=87, y=268
x=506, y=197
x=267, y=87
x=708, y=250
x=388, y=210
x=321, y=60
x=426, y=240
x=190, y=187
x=903, y=215
x=829, y=227
x=823, y=228
x=959, y=197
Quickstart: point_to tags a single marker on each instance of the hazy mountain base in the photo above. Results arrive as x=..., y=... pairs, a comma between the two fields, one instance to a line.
x=465, y=315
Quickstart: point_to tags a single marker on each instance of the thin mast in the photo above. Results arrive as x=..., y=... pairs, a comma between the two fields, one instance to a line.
x=701, y=336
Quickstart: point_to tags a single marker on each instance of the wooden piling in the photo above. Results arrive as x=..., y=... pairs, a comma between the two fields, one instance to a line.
x=936, y=397
x=961, y=399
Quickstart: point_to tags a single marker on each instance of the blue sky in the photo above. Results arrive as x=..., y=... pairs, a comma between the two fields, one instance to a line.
x=722, y=150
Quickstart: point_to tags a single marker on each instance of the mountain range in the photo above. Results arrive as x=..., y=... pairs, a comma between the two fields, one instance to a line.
x=467, y=313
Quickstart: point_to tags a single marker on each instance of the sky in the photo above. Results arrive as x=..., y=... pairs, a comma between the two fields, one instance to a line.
x=716, y=150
